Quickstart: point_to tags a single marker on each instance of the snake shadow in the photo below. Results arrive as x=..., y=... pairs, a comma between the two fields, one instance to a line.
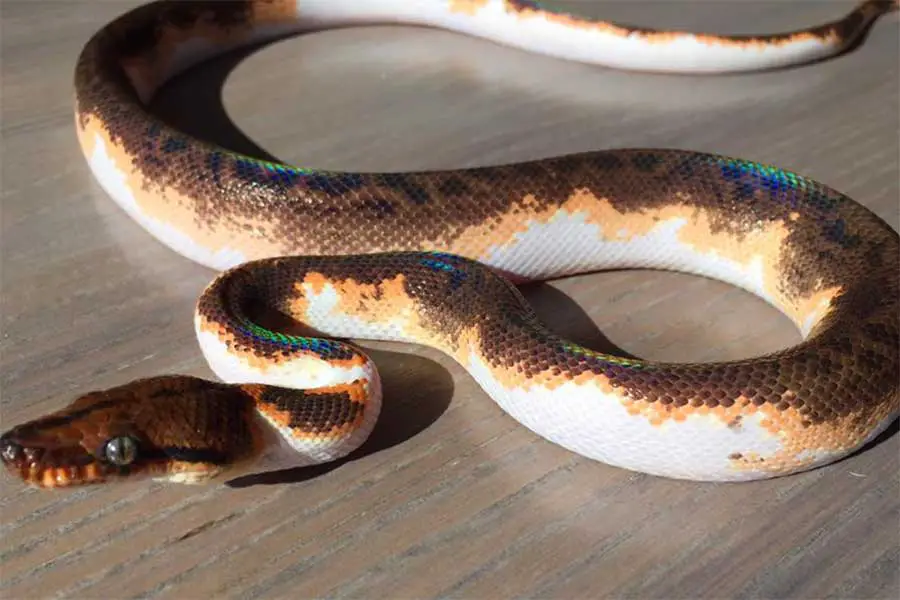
x=204, y=116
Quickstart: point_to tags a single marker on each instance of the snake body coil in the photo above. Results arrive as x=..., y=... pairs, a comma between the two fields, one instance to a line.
x=427, y=257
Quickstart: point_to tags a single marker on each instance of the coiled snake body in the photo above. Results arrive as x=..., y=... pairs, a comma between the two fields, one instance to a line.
x=428, y=257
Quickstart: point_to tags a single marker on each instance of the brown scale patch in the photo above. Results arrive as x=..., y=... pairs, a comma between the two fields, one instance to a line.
x=325, y=412
x=524, y=376
x=172, y=207
x=148, y=71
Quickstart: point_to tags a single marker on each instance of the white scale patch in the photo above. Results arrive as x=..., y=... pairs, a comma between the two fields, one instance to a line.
x=568, y=243
x=581, y=418
x=322, y=315
x=814, y=316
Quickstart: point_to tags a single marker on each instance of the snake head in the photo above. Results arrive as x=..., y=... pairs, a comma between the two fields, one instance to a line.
x=177, y=428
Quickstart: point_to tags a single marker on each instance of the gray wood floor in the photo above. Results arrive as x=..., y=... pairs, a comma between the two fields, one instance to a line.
x=451, y=498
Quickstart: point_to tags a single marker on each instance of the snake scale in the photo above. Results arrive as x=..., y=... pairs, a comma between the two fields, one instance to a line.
x=433, y=258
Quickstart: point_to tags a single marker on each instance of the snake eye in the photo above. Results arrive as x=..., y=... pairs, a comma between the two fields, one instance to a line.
x=10, y=451
x=120, y=451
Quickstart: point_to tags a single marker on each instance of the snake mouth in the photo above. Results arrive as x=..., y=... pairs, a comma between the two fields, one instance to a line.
x=46, y=464
x=56, y=459
x=51, y=461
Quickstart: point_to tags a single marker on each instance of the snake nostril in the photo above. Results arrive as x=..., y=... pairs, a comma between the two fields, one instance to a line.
x=10, y=451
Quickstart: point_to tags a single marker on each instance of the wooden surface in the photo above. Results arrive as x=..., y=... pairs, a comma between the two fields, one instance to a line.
x=450, y=498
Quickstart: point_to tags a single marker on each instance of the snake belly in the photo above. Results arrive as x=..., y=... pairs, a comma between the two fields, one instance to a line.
x=430, y=257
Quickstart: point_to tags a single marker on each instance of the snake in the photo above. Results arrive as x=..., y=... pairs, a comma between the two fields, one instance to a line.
x=436, y=258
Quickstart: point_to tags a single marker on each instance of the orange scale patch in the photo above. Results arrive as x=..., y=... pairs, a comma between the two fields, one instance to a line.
x=748, y=461
x=756, y=43
x=51, y=477
x=658, y=414
x=467, y=7
x=836, y=436
x=371, y=301
x=315, y=280
x=356, y=390
x=586, y=377
x=502, y=231
x=814, y=307
x=274, y=11
x=280, y=417
x=763, y=244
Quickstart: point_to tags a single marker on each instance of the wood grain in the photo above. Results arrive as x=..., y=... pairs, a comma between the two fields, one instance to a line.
x=450, y=498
